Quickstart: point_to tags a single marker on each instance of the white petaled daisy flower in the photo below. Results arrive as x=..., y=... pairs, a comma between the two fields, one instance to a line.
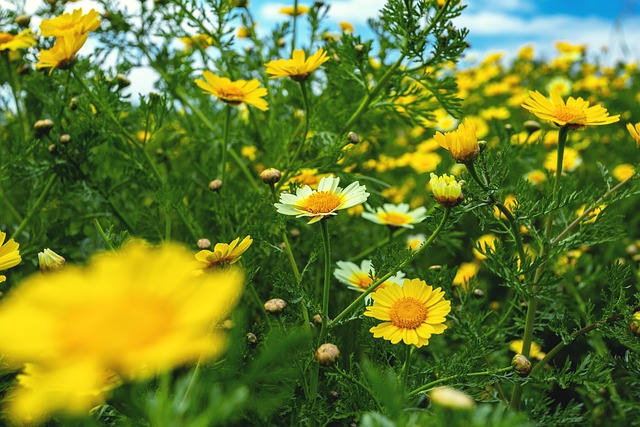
x=359, y=278
x=323, y=202
x=396, y=215
x=415, y=241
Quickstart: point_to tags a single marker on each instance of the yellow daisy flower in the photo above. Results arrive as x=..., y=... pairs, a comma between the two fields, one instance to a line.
x=634, y=131
x=12, y=42
x=62, y=54
x=290, y=10
x=234, y=92
x=9, y=254
x=446, y=190
x=570, y=160
x=575, y=113
x=465, y=272
x=487, y=242
x=359, y=277
x=138, y=312
x=396, y=215
x=223, y=255
x=70, y=23
x=535, y=351
x=297, y=67
x=323, y=202
x=462, y=143
x=346, y=27
x=411, y=313
x=623, y=171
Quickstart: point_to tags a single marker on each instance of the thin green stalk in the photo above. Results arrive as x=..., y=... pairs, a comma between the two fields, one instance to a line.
x=307, y=114
x=15, y=90
x=102, y=234
x=225, y=145
x=36, y=206
x=359, y=383
x=406, y=367
x=327, y=274
x=358, y=301
x=532, y=305
x=192, y=381
x=10, y=206
x=295, y=21
x=379, y=244
x=430, y=385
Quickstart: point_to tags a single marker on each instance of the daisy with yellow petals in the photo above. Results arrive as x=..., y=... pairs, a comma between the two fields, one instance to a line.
x=298, y=68
x=12, y=42
x=234, y=92
x=323, y=202
x=70, y=23
x=574, y=114
x=411, y=313
x=462, y=143
x=9, y=254
x=62, y=54
x=223, y=255
x=634, y=131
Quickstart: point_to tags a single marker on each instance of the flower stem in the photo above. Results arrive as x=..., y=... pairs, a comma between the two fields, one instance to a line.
x=327, y=275
x=379, y=244
x=225, y=145
x=36, y=206
x=430, y=385
x=406, y=367
x=307, y=114
x=15, y=90
x=358, y=301
x=102, y=234
x=295, y=21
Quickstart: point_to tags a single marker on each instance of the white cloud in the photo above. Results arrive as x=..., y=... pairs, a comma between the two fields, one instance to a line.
x=353, y=11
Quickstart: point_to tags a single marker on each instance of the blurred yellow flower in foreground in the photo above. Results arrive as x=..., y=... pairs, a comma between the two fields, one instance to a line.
x=137, y=312
x=298, y=68
x=9, y=254
x=223, y=255
x=234, y=92
x=62, y=54
x=634, y=131
x=12, y=42
x=70, y=23
x=575, y=114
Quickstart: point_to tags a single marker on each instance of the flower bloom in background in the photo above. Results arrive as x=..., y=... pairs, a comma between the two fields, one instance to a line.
x=570, y=161
x=346, y=27
x=298, y=68
x=323, y=202
x=396, y=215
x=510, y=203
x=223, y=255
x=12, y=42
x=486, y=242
x=446, y=190
x=449, y=397
x=138, y=312
x=9, y=254
x=359, y=278
x=49, y=261
x=465, y=272
x=461, y=143
x=62, y=54
x=411, y=313
x=575, y=114
x=291, y=11
x=234, y=92
x=623, y=171
x=535, y=351
x=70, y=23
x=634, y=131
x=414, y=241
x=198, y=40
x=309, y=177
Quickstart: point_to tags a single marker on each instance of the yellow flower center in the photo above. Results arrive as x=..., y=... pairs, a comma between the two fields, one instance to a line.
x=362, y=281
x=5, y=37
x=321, y=202
x=231, y=94
x=567, y=113
x=407, y=313
x=394, y=218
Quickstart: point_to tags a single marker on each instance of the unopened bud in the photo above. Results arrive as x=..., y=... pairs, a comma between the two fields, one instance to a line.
x=521, y=365
x=227, y=324
x=52, y=148
x=49, y=261
x=327, y=354
x=281, y=43
x=73, y=104
x=23, y=69
x=482, y=145
x=65, y=138
x=270, y=176
x=478, y=293
x=634, y=326
x=122, y=81
x=295, y=233
x=43, y=127
x=23, y=20
x=215, y=185
x=449, y=397
x=334, y=395
x=203, y=243
x=252, y=340
x=275, y=306
x=531, y=126
x=317, y=319
x=353, y=137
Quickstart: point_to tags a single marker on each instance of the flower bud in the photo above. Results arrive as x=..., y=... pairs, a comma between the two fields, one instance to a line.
x=521, y=365
x=446, y=190
x=635, y=324
x=73, y=104
x=49, y=261
x=317, y=319
x=449, y=397
x=203, y=243
x=43, y=127
x=295, y=233
x=270, y=176
x=24, y=69
x=23, y=20
x=275, y=306
x=353, y=137
x=64, y=139
x=252, y=340
x=327, y=354
x=122, y=81
x=215, y=185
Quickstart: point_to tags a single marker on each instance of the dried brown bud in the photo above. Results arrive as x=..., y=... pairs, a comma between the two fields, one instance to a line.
x=65, y=138
x=203, y=243
x=252, y=340
x=270, y=176
x=521, y=365
x=353, y=137
x=215, y=185
x=275, y=306
x=43, y=127
x=327, y=354
x=23, y=20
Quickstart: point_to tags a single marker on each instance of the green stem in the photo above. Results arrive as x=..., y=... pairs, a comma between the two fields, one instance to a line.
x=358, y=301
x=295, y=21
x=379, y=244
x=307, y=114
x=36, y=206
x=428, y=386
x=10, y=206
x=327, y=274
x=102, y=234
x=406, y=367
x=225, y=144
x=15, y=90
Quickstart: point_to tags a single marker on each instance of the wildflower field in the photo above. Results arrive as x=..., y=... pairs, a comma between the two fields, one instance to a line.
x=305, y=226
